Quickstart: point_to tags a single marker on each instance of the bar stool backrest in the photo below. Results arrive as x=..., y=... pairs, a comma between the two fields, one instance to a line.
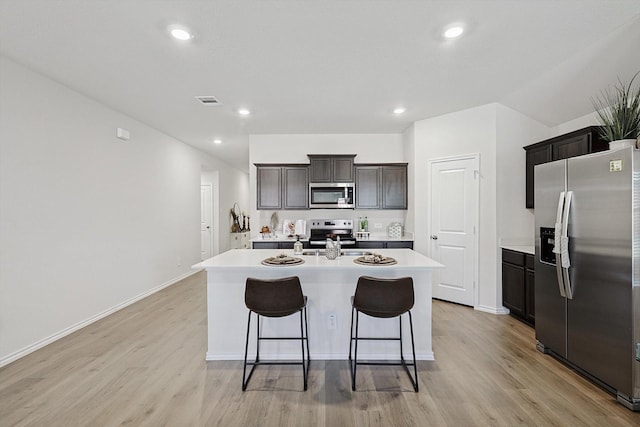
x=384, y=297
x=274, y=297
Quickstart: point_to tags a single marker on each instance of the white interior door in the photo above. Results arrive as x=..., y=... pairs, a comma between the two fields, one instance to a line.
x=453, y=212
x=206, y=234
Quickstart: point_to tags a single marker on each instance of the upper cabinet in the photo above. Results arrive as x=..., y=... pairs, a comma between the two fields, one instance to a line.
x=577, y=143
x=286, y=186
x=282, y=186
x=381, y=186
x=368, y=183
x=331, y=168
x=394, y=186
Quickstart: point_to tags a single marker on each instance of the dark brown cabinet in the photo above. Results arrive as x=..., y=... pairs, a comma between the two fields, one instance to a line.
x=381, y=186
x=535, y=156
x=295, y=188
x=282, y=186
x=384, y=244
x=368, y=180
x=518, y=285
x=333, y=168
x=530, y=291
x=269, y=187
x=577, y=143
x=277, y=245
x=394, y=186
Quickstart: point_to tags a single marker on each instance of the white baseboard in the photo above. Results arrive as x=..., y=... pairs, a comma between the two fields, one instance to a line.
x=492, y=310
x=71, y=329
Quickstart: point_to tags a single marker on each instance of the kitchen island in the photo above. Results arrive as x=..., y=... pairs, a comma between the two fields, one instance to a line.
x=328, y=284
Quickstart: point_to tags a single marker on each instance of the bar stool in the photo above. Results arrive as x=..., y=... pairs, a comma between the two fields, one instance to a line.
x=275, y=298
x=382, y=298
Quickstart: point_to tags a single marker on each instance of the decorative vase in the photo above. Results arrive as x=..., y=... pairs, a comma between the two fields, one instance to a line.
x=622, y=143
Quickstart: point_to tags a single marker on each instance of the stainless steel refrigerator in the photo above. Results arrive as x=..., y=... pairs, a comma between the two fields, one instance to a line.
x=587, y=268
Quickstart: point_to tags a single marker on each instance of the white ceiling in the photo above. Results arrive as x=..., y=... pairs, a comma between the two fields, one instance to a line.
x=323, y=66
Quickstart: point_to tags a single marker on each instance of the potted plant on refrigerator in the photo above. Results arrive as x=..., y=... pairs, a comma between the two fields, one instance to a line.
x=618, y=108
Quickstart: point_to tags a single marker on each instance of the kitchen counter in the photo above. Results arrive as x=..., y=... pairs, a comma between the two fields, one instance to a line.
x=328, y=284
x=527, y=249
x=279, y=238
x=378, y=237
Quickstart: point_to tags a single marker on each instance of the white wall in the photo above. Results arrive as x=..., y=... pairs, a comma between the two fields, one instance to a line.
x=409, y=150
x=497, y=134
x=87, y=222
x=513, y=132
x=369, y=148
x=590, y=119
x=465, y=132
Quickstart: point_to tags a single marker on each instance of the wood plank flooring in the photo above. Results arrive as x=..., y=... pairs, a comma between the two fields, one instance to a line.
x=144, y=366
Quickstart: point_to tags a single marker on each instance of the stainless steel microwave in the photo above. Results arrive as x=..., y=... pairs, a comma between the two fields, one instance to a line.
x=339, y=195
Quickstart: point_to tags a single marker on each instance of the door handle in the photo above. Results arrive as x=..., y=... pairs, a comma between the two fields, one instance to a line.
x=434, y=237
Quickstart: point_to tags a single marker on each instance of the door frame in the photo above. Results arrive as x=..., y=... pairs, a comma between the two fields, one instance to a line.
x=476, y=215
x=210, y=189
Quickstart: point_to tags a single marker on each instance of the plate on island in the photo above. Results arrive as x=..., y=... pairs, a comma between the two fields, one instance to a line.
x=282, y=261
x=375, y=259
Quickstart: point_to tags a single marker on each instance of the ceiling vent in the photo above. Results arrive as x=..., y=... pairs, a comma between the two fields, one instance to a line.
x=208, y=100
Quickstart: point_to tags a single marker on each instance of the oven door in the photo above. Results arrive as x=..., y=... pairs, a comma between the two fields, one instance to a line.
x=331, y=196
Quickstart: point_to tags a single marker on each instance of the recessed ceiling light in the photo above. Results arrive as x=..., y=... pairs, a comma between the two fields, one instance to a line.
x=244, y=112
x=399, y=110
x=217, y=141
x=179, y=32
x=453, y=31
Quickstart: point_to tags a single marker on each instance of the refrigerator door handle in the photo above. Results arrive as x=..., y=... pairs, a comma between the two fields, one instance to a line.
x=564, y=245
x=557, y=246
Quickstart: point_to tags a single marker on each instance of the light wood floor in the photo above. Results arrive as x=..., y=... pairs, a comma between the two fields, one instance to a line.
x=145, y=366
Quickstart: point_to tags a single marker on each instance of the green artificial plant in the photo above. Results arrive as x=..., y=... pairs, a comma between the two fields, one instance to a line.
x=619, y=111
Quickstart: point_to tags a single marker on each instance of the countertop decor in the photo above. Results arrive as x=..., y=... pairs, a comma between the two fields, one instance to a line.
x=375, y=259
x=282, y=260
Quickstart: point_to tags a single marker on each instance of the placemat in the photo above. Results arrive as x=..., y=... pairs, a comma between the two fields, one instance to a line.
x=277, y=261
x=384, y=261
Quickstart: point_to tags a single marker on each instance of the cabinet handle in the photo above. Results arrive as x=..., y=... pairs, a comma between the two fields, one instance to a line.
x=434, y=237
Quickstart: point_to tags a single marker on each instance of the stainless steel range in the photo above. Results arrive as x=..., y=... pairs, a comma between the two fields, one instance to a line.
x=323, y=229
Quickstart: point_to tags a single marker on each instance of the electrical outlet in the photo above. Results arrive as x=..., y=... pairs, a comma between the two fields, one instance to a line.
x=377, y=225
x=179, y=261
x=332, y=321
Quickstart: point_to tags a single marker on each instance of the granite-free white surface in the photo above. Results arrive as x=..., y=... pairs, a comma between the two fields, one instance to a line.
x=278, y=238
x=243, y=258
x=527, y=249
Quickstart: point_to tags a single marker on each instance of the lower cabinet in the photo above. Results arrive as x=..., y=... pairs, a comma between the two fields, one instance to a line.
x=239, y=240
x=382, y=244
x=277, y=245
x=518, y=285
x=367, y=244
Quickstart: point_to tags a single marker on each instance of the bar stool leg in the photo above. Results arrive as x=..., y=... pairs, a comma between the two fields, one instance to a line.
x=245, y=379
x=306, y=337
x=401, y=353
x=304, y=370
x=351, y=334
x=413, y=349
x=355, y=355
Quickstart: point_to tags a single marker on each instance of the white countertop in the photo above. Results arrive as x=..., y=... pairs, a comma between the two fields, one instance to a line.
x=527, y=249
x=243, y=258
x=382, y=236
x=279, y=238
